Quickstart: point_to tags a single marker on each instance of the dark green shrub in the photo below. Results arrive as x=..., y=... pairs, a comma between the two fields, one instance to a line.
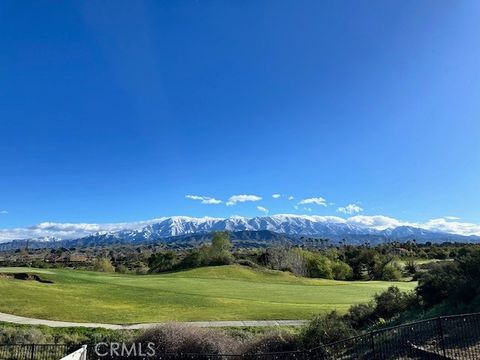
x=390, y=273
x=162, y=261
x=411, y=267
x=325, y=329
x=392, y=302
x=341, y=271
x=440, y=283
x=361, y=315
x=318, y=266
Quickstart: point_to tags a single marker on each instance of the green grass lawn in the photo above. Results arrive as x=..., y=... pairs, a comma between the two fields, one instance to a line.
x=213, y=293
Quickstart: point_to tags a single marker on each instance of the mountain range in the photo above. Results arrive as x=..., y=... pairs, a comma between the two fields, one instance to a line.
x=265, y=229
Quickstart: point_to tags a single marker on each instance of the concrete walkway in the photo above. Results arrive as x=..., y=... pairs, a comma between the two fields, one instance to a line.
x=53, y=323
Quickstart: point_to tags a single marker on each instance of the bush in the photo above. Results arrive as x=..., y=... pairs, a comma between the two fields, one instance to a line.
x=392, y=302
x=191, y=260
x=103, y=265
x=439, y=283
x=162, y=261
x=361, y=315
x=341, y=271
x=22, y=336
x=325, y=329
x=411, y=267
x=319, y=266
x=390, y=273
x=275, y=341
x=180, y=338
x=246, y=262
x=122, y=269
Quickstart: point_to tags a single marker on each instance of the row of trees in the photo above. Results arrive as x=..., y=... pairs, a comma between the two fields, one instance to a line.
x=347, y=263
x=357, y=263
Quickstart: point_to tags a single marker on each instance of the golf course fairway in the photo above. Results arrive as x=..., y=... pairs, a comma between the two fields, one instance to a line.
x=204, y=294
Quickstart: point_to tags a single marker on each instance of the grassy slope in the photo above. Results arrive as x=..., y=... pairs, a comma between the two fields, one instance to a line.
x=214, y=293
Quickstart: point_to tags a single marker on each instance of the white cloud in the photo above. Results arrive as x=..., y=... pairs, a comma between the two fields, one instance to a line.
x=3, y=212
x=378, y=222
x=204, y=199
x=350, y=209
x=451, y=218
x=291, y=197
x=295, y=207
x=455, y=227
x=316, y=200
x=276, y=196
x=262, y=209
x=307, y=209
x=233, y=200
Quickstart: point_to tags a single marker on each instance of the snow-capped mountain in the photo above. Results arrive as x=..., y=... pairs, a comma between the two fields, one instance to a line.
x=283, y=224
x=293, y=227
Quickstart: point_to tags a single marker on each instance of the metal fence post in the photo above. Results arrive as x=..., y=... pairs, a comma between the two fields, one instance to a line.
x=372, y=343
x=442, y=337
x=32, y=352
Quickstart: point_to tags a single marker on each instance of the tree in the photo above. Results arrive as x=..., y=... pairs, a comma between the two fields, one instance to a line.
x=162, y=261
x=221, y=241
x=389, y=273
x=219, y=252
x=440, y=283
x=319, y=266
x=103, y=265
x=341, y=271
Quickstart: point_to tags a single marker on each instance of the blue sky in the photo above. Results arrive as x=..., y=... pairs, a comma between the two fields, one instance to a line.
x=117, y=110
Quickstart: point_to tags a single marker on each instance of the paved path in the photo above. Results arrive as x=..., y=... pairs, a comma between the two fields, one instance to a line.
x=53, y=323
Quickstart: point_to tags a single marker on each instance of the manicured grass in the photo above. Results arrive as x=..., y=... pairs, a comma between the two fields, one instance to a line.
x=212, y=293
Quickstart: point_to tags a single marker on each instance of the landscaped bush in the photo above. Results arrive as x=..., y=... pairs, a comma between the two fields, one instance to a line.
x=325, y=329
x=361, y=315
x=393, y=301
x=274, y=341
x=181, y=338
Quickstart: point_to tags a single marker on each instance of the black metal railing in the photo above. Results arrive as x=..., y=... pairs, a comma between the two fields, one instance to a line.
x=447, y=337
x=35, y=351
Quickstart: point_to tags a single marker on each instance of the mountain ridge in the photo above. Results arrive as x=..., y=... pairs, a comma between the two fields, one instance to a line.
x=291, y=227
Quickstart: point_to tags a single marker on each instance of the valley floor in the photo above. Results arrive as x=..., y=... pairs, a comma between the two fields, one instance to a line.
x=220, y=293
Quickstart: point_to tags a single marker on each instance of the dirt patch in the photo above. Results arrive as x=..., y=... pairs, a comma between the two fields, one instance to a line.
x=24, y=276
